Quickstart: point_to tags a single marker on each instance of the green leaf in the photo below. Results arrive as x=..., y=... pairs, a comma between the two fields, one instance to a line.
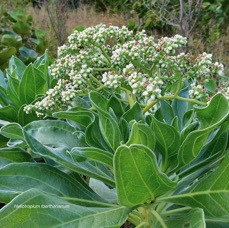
x=12, y=131
x=180, y=107
x=167, y=141
x=142, y=134
x=12, y=91
x=195, y=140
x=83, y=118
x=191, y=146
x=92, y=153
x=134, y=113
x=59, y=155
x=16, y=66
x=94, y=137
x=54, y=133
x=124, y=128
x=210, y=193
x=165, y=113
x=4, y=100
x=21, y=27
x=109, y=194
x=28, y=54
x=109, y=127
x=24, y=118
x=116, y=106
x=187, y=130
x=31, y=84
x=11, y=155
x=51, y=211
x=2, y=80
x=193, y=219
x=188, y=118
x=9, y=113
x=138, y=178
x=217, y=223
x=217, y=110
x=16, y=178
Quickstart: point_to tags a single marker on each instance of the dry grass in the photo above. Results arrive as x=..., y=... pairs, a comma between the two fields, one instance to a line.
x=86, y=15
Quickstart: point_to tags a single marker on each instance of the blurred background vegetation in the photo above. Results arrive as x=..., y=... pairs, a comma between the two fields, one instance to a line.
x=28, y=27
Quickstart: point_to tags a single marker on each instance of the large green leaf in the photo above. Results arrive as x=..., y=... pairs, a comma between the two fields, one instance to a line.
x=83, y=118
x=193, y=219
x=109, y=127
x=12, y=131
x=24, y=118
x=92, y=153
x=142, y=134
x=217, y=145
x=16, y=67
x=4, y=100
x=180, y=107
x=165, y=113
x=124, y=128
x=195, y=140
x=2, y=80
x=46, y=210
x=11, y=155
x=217, y=110
x=16, y=178
x=167, y=141
x=217, y=223
x=116, y=106
x=134, y=113
x=59, y=154
x=54, y=133
x=210, y=193
x=32, y=84
x=12, y=90
x=191, y=146
x=138, y=177
x=9, y=113
x=94, y=137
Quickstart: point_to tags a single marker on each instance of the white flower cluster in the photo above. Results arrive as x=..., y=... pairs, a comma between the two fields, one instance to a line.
x=114, y=57
x=111, y=80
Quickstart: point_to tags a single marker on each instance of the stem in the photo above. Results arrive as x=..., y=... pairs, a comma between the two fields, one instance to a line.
x=104, y=53
x=100, y=88
x=161, y=207
x=102, y=69
x=191, y=100
x=143, y=224
x=89, y=83
x=159, y=219
x=150, y=105
x=96, y=80
x=134, y=219
x=129, y=95
x=168, y=213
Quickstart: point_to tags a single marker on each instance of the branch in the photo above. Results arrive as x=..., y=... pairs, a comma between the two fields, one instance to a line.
x=181, y=18
x=199, y=4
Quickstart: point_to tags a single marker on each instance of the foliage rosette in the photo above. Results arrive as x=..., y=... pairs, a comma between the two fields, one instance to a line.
x=132, y=130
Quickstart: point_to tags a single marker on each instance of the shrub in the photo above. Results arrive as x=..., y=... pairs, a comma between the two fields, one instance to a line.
x=134, y=138
x=18, y=37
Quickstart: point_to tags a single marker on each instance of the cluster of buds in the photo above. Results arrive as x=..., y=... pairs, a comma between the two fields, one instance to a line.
x=114, y=57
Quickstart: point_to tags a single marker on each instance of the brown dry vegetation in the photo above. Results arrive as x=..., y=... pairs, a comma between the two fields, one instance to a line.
x=86, y=15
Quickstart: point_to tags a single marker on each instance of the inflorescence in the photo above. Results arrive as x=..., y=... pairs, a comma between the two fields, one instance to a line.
x=116, y=58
